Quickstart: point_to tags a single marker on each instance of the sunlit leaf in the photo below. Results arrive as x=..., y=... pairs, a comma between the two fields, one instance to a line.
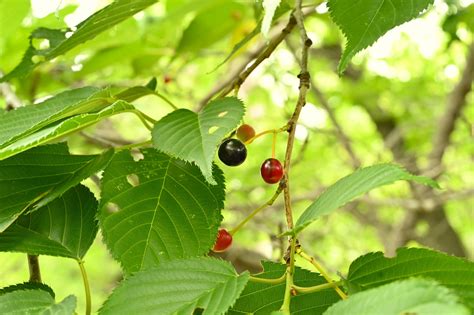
x=61, y=41
x=35, y=302
x=178, y=287
x=363, y=22
x=413, y=296
x=352, y=186
x=194, y=137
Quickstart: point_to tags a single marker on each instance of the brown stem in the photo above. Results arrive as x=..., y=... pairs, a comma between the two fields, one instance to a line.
x=34, y=267
x=240, y=77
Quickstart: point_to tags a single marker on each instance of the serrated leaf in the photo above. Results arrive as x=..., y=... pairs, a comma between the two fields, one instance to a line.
x=269, y=8
x=65, y=227
x=43, y=172
x=157, y=209
x=364, y=22
x=27, y=286
x=35, y=302
x=63, y=128
x=413, y=296
x=194, y=137
x=27, y=119
x=262, y=298
x=374, y=269
x=61, y=41
x=202, y=31
x=361, y=181
x=178, y=287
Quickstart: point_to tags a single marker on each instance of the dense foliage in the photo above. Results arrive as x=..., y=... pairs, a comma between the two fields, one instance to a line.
x=170, y=133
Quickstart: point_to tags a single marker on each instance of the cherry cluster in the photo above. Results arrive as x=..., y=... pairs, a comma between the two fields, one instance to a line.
x=233, y=152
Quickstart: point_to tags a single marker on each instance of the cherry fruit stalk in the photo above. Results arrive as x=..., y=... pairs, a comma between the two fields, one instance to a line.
x=223, y=241
x=232, y=152
x=271, y=171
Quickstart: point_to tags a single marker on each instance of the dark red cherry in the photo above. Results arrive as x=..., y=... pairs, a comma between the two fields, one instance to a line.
x=223, y=241
x=232, y=152
x=245, y=132
x=271, y=171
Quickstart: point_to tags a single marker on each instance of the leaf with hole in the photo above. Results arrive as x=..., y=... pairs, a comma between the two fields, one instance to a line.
x=361, y=181
x=373, y=270
x=263, y=298
x=363, y=22
x=65, y=227
x=178, y=287
x=194, y=137
x=158, y=209
x=412, y=296
x=42, y=174
x=35, y=302
x=61, y=41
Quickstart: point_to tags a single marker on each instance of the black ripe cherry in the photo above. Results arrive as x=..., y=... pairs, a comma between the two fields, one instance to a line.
x=232, y=152
x=271, y=171
x=223, y=241
x=245, y=132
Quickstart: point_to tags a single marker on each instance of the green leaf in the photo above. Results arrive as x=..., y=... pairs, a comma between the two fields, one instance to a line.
x=269, y=8
x=413, y=296
x=27, y=286
x=202, y=31
x=43, y=172
x=178, y=287
x=35, y=302
x=363, y=22
x=157, y=209
x=61, y=41
x=194, y=137
x=374, y=269
x=262, y=298
x=65, y=227
x=361, y=181
x=63, y=128
x=28, y=119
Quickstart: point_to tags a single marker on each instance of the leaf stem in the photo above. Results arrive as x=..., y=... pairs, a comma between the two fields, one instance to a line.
x=269, y=281
x=164, y=98
x=143, y=118
x=254, y=212
x=316, y=288
x=34, y=268
x=322, y=271
x=86, y=287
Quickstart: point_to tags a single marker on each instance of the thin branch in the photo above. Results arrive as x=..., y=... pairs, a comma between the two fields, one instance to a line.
x=343, y=138
x=456, y=101
x=240, y=77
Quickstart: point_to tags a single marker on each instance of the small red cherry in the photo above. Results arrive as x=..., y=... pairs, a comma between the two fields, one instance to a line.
x=271, y=171
x=223, y=241
x=245, y=132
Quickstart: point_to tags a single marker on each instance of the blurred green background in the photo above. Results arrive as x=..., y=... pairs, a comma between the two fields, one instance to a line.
x=388, y=105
